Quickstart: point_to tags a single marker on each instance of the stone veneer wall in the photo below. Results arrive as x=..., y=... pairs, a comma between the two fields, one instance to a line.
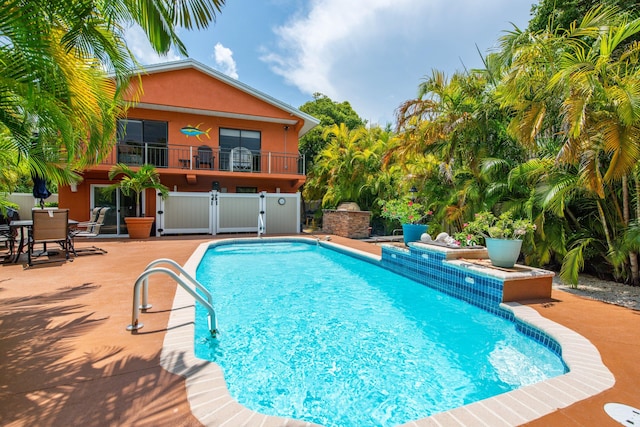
x=350, y=224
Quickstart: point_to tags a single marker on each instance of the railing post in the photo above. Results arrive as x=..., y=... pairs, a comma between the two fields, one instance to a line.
x=269, y=168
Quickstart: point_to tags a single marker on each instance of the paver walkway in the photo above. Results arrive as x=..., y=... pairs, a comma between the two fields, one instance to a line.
x=67, y=360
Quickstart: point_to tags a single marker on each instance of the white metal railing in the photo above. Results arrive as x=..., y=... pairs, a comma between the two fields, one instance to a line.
x=206, y=158
x=143, y=281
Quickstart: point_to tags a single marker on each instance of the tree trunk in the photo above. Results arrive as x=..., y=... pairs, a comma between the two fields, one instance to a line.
x=605, y=227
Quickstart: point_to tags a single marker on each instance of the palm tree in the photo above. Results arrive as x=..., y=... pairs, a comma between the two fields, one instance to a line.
x=585, y=89
x=349, y=168
x=136, y=181
x=58, y=108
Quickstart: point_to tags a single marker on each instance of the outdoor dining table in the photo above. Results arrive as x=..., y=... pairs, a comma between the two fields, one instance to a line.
x=24, y=225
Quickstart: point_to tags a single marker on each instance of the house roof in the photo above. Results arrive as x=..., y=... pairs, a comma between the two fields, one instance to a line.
x=309, y=122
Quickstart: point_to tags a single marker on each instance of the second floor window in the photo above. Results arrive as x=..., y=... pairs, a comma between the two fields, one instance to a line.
x=240, y=150
x=233, y=138
x=140, y=131
x=132, y=137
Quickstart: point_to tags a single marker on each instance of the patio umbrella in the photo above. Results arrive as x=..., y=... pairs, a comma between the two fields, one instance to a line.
x=40, y=190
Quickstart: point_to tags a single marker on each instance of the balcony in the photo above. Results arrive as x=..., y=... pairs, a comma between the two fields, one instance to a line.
x=205, y=158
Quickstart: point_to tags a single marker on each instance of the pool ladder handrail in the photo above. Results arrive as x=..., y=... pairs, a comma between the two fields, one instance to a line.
x=143, y=280
x=260, y=223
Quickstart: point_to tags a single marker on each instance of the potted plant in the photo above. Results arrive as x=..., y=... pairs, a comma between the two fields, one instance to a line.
x=502, y=235
x=411, y=216
x=146, y=177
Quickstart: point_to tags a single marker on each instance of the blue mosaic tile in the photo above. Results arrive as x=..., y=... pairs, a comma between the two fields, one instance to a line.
x=430, y=269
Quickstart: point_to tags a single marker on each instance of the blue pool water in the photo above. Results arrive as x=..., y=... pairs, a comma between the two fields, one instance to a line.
x=313, y=334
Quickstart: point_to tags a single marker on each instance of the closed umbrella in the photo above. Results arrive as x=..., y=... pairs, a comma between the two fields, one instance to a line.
x=40, y=190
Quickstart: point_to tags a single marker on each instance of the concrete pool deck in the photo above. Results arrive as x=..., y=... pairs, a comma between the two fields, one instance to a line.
x=66, y=358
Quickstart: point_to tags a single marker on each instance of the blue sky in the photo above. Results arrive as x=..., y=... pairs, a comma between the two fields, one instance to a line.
x=372, y=53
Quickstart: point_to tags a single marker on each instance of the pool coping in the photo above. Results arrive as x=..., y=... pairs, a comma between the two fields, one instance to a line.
x=212, y=404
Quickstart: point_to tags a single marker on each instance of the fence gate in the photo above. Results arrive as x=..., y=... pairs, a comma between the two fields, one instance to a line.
x=214, y=212
x=185, y=213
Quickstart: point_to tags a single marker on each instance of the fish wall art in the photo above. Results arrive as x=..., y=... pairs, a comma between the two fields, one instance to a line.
x=195, y=131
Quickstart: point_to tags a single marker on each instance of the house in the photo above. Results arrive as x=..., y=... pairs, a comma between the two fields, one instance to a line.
x=203, y=131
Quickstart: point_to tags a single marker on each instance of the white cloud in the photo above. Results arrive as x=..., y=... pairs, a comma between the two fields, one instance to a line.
x=139, y=44
x=309, y=45
x=224, y=60
x=373, y=53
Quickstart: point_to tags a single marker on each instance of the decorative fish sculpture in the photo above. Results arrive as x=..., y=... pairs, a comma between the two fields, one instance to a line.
x=195, y=131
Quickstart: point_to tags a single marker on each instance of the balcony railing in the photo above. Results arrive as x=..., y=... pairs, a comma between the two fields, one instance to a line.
x=207, y=158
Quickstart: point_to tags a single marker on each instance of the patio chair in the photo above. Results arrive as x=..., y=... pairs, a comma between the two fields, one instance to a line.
x=88, y=230
x=241, y=159
x=7, y=238
x=9, y=235
x=49, y=226
x=204, y=159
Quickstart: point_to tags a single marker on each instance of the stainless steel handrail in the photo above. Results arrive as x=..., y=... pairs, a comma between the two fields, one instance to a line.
x=260, y=224
x=143, y=281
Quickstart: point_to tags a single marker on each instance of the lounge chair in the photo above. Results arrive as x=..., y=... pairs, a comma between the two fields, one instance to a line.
x=89, y=229
x=49, y=226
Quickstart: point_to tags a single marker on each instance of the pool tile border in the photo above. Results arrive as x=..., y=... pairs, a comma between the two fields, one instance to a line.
x=212, y=404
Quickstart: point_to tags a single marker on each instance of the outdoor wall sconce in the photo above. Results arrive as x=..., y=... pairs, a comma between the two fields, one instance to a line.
x=412, y=192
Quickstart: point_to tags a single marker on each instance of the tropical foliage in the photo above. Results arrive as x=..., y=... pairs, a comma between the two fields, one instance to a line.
x=548, y=130
x=58, y=109
x=405, y=211
x=487, y=224
x=329, y=113
x=136, y=182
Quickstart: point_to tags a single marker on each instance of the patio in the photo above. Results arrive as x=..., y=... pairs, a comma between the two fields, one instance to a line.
x=66, y=358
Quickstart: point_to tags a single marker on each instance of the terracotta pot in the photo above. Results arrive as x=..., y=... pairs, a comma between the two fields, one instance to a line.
x=503, y=252
x=139, y=228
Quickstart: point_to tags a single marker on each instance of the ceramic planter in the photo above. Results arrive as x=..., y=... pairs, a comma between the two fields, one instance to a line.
x=503, y=252
x=139, y=228
x=412, y=232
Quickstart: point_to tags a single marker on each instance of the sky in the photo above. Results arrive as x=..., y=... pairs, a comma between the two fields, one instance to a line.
x=371, y=53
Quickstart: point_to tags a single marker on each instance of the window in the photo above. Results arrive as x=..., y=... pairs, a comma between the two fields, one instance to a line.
x=232, y=138
x=141, y=131
x=239, y=139
x=252, y=190
x=134, y=134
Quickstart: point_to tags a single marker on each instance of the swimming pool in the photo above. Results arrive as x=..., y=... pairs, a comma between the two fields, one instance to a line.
x=212, y=404
x=313, y=334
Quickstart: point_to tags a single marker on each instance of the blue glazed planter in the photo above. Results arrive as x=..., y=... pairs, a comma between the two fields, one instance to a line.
x=412, y=232
x=503, y=252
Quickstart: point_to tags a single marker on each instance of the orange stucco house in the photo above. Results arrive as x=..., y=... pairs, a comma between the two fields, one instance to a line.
x=203, y=131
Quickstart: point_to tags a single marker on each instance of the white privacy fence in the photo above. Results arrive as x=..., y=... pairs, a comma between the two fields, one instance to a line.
x=214, y=212
x=26, y=202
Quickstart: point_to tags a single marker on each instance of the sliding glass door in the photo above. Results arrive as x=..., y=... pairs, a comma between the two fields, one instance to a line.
x=121, y=207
